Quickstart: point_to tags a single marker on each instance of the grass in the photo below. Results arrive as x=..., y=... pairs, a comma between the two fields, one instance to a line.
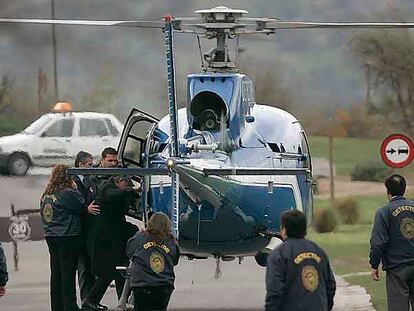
x=348, y=247
x=348, y=151
x=375, y=289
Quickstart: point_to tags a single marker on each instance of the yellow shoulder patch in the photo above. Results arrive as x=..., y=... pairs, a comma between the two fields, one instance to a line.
x=47, y=213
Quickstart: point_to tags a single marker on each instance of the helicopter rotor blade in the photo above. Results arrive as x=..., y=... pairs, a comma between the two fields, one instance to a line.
x=276, y=25
x=140, y=24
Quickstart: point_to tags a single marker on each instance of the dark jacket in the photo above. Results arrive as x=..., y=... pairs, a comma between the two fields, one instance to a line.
x=108, y=232
x=61, y=213
x=299, y=278
x=152, y=262
x=4, y=277
x=87, y=187
x=392, y=237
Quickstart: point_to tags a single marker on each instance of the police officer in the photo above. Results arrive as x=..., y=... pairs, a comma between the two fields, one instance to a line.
x=61, y=207
x=3, y=272
x=87, y=186
x=392, y=243
x=153, y=253
x=298, y=276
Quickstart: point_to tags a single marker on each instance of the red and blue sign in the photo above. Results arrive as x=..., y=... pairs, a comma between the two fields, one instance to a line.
x=397, y=151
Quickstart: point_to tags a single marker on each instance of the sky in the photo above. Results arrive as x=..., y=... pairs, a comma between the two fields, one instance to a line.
x=317, y=65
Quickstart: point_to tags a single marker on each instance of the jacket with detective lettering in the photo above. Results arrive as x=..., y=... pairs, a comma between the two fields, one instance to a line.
x=392, y=237
x=299, y=278
x=152, y=262
x=61, y=213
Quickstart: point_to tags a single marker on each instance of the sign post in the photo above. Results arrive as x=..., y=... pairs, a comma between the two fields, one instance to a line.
x=397, y=151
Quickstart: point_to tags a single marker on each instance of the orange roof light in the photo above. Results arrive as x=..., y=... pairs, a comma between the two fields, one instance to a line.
x=62, y=107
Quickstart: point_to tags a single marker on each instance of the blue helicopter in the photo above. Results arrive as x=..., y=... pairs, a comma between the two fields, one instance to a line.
x=224, y=168
x=234, y=165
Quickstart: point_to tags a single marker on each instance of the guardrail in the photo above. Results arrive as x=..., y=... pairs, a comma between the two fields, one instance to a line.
x=22, y=225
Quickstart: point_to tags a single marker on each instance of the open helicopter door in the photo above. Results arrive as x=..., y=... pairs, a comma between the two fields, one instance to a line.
x=135, y=146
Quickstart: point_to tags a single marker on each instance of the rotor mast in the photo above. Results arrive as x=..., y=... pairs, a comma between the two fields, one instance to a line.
x=220, y=23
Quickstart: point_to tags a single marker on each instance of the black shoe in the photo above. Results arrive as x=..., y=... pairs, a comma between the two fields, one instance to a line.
x=88, y=306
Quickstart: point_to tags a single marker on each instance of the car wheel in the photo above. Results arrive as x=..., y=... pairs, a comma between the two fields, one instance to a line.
x=19, y=164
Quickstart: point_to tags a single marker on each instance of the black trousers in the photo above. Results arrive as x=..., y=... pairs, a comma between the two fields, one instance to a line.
x=100, y=286
x=400, y=288
x=152, y=298
x=85, y=276
x=63, y=262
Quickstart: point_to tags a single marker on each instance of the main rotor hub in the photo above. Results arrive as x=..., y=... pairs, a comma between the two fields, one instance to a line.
x=220, y=14
x=221, y=23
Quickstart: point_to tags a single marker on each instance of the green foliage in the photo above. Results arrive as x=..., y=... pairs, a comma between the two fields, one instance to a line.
x=10, y=126
x=324, y=221
x=370, y=171
x=348, y=210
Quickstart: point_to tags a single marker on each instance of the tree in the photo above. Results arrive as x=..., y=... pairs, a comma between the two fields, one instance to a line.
x=6, y=95
x=389, y=58
x=270, y=88
x=103, y=94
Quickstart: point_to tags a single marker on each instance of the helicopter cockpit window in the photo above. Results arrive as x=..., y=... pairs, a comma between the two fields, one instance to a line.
x=135, y=144
x=208, y=110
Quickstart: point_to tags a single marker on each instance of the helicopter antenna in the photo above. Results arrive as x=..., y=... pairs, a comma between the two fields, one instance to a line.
x=172, y=109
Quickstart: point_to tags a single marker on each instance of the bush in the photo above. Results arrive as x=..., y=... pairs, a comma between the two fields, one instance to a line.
x=9, y=126
x=370, y=171
x=348, y=210
x=324, y=220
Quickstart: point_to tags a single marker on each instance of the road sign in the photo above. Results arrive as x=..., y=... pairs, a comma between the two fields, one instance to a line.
x=397, y=150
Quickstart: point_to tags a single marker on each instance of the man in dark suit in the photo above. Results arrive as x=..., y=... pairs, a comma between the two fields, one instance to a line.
x=108, y=235
x=87, y=187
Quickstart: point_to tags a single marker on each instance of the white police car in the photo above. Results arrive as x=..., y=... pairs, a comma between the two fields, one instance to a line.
x=56, y=138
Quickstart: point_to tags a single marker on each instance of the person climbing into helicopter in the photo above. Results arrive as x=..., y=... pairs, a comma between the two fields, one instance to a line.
x=298, y=276
x=107, y=238
x=154, y=253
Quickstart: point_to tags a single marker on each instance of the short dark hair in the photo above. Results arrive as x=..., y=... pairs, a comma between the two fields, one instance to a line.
x=295, y=224
x=395, y=185
x=81, y=157
x=109, y=150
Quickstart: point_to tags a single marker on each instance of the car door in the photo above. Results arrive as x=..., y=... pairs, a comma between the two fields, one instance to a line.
x=55, y=143
x=94, y=136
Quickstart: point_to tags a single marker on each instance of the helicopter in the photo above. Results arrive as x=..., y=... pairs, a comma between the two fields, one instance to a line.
x=224, y=167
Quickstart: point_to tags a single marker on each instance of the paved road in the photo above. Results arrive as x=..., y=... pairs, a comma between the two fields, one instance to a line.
x=241, y=287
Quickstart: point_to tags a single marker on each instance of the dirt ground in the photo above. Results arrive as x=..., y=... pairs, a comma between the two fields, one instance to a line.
x=344, y=187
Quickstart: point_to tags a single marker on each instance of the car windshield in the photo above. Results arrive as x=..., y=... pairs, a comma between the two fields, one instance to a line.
x=38, y=125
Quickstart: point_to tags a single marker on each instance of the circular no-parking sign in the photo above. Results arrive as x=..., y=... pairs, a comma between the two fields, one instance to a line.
x=397, y=150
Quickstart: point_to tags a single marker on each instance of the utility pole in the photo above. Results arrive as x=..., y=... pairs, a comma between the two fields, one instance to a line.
x=331, y=162
x=55, y=76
